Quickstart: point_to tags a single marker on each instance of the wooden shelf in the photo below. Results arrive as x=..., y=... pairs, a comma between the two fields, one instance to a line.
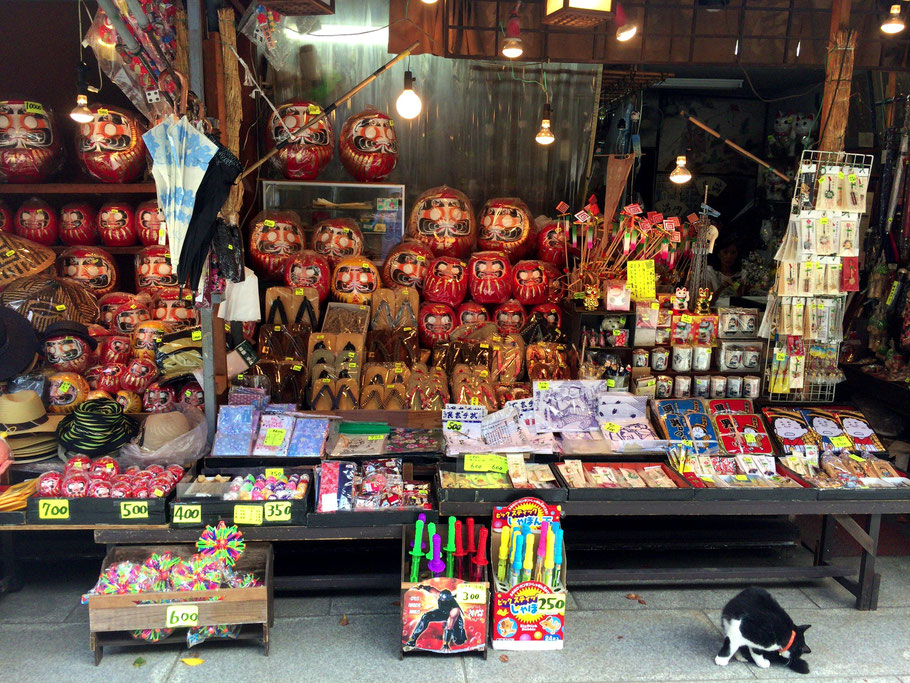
x=59, y=248
x=77, y=188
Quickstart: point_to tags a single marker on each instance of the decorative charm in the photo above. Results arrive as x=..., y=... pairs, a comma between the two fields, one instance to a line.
x=592, y=298
x=78, y=224
x=446, y=281
x=153, y=268
x=354, y=280
x=110, y=147
x=510, y=317
x=505, y=225
x=152, y=228
x=368, y=145
x=681, y=299
x=222, y=542
x=531, y=282
x=30, y=147
x=92, y=267
x=117, y=224
x=309, y=269
x=703, y=302
x=37, y=221
x=471, y=312
x=406, y=265
x=443, y=219
x=435, y=322
x=490, y=277
x=336, y=238
x=308, y=154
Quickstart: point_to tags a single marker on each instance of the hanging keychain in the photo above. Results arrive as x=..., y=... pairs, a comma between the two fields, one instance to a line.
x=824, y=242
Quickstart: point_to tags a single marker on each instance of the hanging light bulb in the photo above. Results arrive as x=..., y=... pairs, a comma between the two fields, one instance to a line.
x=624, y=30
x=81, y=113
x=408, y=103
x=545, y=135
x=511, y=46
x=680, y=174
x=894, y=23
x=428, y=2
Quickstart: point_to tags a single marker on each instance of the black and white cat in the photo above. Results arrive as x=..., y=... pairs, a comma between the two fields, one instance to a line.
x=757, y=629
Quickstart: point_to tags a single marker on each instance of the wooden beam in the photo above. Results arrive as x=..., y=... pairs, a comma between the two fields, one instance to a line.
x=838, y=78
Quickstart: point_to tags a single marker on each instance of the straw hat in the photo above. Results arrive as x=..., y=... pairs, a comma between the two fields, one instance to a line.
x=20, y=257
x=44, y=299
x=24, y=413
x=162, y=428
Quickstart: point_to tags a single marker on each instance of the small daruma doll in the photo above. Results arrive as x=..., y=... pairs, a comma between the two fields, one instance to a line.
x=552, y=245
x=309, y=269
x=150, y=223
x=171, y=306
x=130, y=401
x=471, y=312
x=109, y=303
x=551, y=313
x=144, y=342
x=110, y=146
x=446, y=281
x=159, y=399
x=443, y=219
x=67, y=346
x=78, y=224
x=89, y=266
x=127, y=316
x=406, y=265
x=116, y=348
x=510, y=317
x=66, y=391
x=191, y=395
x=275, y=236
x=154, y=269
x=117, y=224
x=336, y=238
x=530, y=282
x=435, y=323
x=505, y=225
x=37, y=221
x=140, y=373
x=310, y=150
x=490, y=277
x=30, y=146
x=354, y=280
x=368, y=145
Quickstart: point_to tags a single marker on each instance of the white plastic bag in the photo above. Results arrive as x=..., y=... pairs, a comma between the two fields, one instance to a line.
x=184, y=450
x=241, y=299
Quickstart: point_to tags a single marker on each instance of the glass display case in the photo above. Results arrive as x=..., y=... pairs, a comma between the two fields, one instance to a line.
x=377, y=208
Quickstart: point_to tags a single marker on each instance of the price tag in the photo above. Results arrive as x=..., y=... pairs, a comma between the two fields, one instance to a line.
x=276, y=472
x=134, y=509
x=552, y=603
x=780, y=356
x=485, y=462
x=269, y=223
x=841, y=442
x=687, y=442
x=375, y=437
x=278, y=511
x=751, y=439
x=453, y=426
x=611, y=383
x=543, y=386
x=854, y=456
x=484, y=373
x=231, y=247
x=53, y=508
x=298, y=291
x=36, y=108
x=186, y=514
x=852, y=178
x=823, y=220
x=611, y=427
x=484, y=346
x=740, y=477
x=11, y=252
x=275, y=436
x=60, y=307
x=655, y=305
x=103, y=112
x=65, y=386
x=196, y=335
x=891, y=294
x=296, y=368
x=248, y=514
x=686, y=318
x=313, y=110
x=182, y=615
x=471, y=593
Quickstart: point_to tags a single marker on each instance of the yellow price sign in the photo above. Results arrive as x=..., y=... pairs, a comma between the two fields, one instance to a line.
x=269, y=223
x=196, y=335
x=611, y=427
x=453, y=426
x=11, y=252
x=186, y=514
x=375, y=437
x=543, y=386
x=134, y=509
x=485, y=462
x=248, y=514
x=37, y=108
x=611, y=383
x=551, y=603
x=275, y=436
x=60, y=307
x=474, y=401
x=471, y=593
x=65, y=386
x=655, y=305
x=276, y=472
x=298, y=291
x=296, y=368
x=841, y=442
x=53, y=508
x=181, y=615
x=740, y=477
x=854, y=456
x=686, y=318
x=278, y=511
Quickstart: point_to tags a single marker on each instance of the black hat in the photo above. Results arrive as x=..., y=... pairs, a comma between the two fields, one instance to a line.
x=18, y=344
x=69, y=328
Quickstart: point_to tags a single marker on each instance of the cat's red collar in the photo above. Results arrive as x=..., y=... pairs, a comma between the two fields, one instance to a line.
x=789, y=642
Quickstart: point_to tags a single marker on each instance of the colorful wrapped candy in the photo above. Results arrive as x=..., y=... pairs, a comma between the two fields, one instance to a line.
x=161, y=564
x=222, y=542
x=152, y=635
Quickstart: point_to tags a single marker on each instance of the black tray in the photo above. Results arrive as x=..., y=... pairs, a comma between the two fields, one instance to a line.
x=682, y=492
x=752, y=493
x=98, y=510
x=352, y=518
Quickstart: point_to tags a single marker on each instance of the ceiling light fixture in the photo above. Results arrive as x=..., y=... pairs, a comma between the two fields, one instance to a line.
x=624, y=30
x=511, y=46
x=894, y=23
x=408, y=103
x=545, y=135
x=680, y=174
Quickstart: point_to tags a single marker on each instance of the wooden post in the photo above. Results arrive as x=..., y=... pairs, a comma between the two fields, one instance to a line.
x=838, y=78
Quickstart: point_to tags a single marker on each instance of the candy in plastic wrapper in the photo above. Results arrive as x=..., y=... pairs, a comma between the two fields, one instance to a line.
x=152, y=635
x=161, y=564
x=198, y=635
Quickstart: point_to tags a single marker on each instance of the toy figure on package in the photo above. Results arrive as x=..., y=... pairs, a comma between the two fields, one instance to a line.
x=790, y=429
x=861, y=434
x=828, y=431
x=335, y=490
x=308, y=439
x=439, y=615
x=567, y=406
x=274, y=435
x=727, y=406
x=743, y=434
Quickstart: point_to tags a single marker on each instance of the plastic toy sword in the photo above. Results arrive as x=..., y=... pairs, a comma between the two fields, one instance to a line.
x=480, y=561
x=503, y=554
x=431, y=531
x=436, y=565
x=417, y=549
x=459, y=551
x=450, y=549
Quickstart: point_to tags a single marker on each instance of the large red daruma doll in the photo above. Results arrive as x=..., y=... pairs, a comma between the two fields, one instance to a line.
x=36, y=220
x=354, y=280
x=309, y=269
x=406, y=265
x=490, y=277
x=446, y=281
x=78, y=225
x=154, y=269
x=305, y=157
x=531, y=282
x=336, y=238
x=150, y=224
x=552, y=245
x=435, y=322
x=171, y=306
x=443, y=219
x=92, y=267
x=117, y=224
x=275, y=236
x=368, y=145
x=505, y=225
x=110, y=146
x=510, y=317
x=30, y=146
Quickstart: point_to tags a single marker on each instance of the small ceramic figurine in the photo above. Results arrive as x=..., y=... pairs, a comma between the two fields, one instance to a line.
x=681, y=300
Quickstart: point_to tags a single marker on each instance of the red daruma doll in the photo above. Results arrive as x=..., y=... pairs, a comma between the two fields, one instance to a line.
x=310, y=151
x=509, y=317
x=30, y=147
x=505, y=225
x=37, y=221
x=154, y=269
x=110, y=146
x=443, y=219
x=336, y=238
x=78, y=225
x=368, y=145
x=471, y=312
x=490, y=277
x=406, y=265
x=531, y=282
x=309, y=269
x=117, y=224
x=446, y=281
x=435, y=323
x=150, y=223
x=354, y=280
x=89, y=266
x=6, y=218
x=275, y=236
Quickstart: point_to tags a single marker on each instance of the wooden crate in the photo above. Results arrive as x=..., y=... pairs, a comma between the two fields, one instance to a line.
x=250, y=607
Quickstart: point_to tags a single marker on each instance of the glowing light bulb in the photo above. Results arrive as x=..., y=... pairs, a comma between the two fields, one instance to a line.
x=627, y=32
x=428, y=2
x=545, y=135
x=81, y=113
x=408, y=103
x=511, y=46
x=680, y=174
x=894, y=23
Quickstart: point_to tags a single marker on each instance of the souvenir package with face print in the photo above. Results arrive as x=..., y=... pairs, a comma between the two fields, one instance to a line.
x=354, y=280
x=827, y=429
x=406, y=265
x=30, y=146
x=91, y=267
x=36, y=220
x=743, y=434
x=311, y=149
x=567, y=406
x=443, y=219
x=150, y=223
x=790, y=430
x=275, y=236
x=446, y=281
x=337, y=238
x=368, y=145
x=78, y=224
x=506, y=225
x=110, y=146
x=857, y=428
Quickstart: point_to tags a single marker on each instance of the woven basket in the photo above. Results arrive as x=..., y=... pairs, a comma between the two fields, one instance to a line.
x=20, y=257
x=43, y=299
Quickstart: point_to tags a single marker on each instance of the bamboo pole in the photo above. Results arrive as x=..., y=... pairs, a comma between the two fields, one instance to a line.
x=736, y=147
x=230, y=127
x=838, y=78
